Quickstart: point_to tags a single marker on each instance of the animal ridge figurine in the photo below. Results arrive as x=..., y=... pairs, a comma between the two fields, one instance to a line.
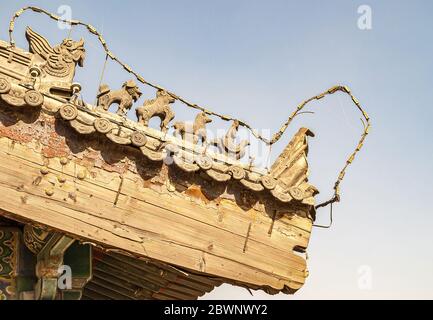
x=228, y=145
x=158, y=107
x=196, y=130
x=59, y=61
x=125, y=97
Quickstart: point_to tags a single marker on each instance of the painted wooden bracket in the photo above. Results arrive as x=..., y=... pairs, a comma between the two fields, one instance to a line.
x=49, y=260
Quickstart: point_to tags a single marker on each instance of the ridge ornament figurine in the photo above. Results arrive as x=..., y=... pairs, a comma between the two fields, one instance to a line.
x=60, y=60
x=125, y=97
x=158, y=107
x=195, y=131
x=227, y=144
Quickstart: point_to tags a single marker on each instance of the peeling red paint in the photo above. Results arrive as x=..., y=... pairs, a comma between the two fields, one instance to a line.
x=14, y=134
x=56, y=147
x=195, y=192
x=53, y=153
x=119, y=168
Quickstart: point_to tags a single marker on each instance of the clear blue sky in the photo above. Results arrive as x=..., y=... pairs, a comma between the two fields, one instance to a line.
x=256, y=60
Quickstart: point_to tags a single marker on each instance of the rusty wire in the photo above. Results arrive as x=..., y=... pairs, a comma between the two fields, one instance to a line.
x=275, y=137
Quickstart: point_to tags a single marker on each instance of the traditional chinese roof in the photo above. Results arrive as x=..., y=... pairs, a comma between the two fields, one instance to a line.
x=167, y=216
x=156, y=145
x=120, y=162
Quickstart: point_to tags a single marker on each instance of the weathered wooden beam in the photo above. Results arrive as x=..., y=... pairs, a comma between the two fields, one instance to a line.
x=134, y=289
x=113, y=205
x=91, y=295
x=106, y=293
x=109, y=285
x=143, y=279
x=188, y=281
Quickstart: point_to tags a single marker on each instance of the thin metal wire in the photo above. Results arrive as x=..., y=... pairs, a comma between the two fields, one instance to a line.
x=276, y=137
x=101, y=78
x=70, y=31
x=330, y=220
x=268, y=159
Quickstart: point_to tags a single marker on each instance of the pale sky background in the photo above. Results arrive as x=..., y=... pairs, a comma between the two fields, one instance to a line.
x=256, y=60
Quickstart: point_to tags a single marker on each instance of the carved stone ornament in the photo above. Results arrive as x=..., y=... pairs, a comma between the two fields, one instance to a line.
x=195, y=131
x=204, y=162
x=227, y=144
x=5, y=86
x=19, y=96
x=103, y=125
x=124, y=97
x=33, y=98
x=251, y=185
x=68, y=112
x=60, y=61
x=153, y=155
x=82, y=127
x=237, y=172
x=119, y=136
x=268, y=182
x=297, y=193
x=138, y=139
x=158, y=107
